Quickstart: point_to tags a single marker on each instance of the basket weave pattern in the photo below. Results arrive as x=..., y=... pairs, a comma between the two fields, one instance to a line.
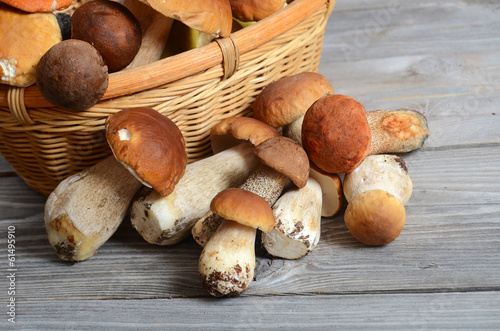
x=45, y=144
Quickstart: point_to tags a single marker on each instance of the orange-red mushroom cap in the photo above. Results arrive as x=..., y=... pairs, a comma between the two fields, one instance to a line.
x=336, y=134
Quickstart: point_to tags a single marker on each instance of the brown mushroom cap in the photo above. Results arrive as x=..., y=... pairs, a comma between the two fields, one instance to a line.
x=286, y=157
x=209, y=16
x=24, y=39
x=111, y=28
x=244, y=207
x=375, y=217
x=72, y=75
x=38, y=6
x=288, y=98
x=336, y=134
x=150, y=145
x=232, y=130
x=255, y=10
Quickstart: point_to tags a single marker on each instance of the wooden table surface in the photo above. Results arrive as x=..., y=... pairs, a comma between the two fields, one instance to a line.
x=443, y=272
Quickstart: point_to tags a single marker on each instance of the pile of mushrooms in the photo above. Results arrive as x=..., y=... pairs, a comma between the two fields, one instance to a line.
x=306, y=155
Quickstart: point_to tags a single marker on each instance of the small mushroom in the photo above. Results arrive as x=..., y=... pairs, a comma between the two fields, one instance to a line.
x=298, y=222
x=335, y=133
x=72, y=75
x=226, y=265
x=383, y=171
x=111, y=28
x=85, y=209
x=25, y=37
x=282, y=159
x=377, y=192
x=375, y=217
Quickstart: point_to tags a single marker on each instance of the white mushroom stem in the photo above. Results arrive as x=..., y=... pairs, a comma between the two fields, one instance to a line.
x=264, y=182
x=294, y=130
x=332, y=191
x=298, y=222
x=168, y=220
x=155, y=31
x=385, y=172
x=86, y=208
x=227, y=262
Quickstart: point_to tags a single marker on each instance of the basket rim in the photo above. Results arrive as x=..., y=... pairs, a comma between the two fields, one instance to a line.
x=188, y=63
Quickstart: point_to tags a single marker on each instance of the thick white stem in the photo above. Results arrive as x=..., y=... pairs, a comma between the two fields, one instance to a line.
x=168, y=220
x=227, y=262
x=86, y=208
x=298, y=222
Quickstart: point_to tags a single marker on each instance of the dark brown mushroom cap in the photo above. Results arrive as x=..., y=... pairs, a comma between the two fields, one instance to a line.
x=111, y=28
x=286, y=157
x=244, y=207
x=150, y=145
x=72, y=75
x=233, y=130
x=288, y=98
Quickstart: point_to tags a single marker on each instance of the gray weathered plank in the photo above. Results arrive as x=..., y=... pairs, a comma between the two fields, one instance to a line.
x=452, y=214
x=432, y=311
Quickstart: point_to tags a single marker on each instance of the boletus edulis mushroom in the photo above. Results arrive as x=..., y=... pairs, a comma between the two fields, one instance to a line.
x=72, y=75
x=111, y=28
x=85, y=209
x=227, y=262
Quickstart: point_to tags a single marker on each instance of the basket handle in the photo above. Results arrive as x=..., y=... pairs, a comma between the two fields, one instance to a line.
x=15, y=100
x=331, y=4
x=230, y=55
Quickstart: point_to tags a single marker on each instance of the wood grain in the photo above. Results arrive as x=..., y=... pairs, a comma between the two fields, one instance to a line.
x=439, y=57
x=427, y=311
x=128, y=267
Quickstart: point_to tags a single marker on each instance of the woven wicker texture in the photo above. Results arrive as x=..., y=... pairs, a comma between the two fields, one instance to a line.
x=45, y=144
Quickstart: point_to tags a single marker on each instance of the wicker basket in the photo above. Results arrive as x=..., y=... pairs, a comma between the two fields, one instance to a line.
x=196, y=89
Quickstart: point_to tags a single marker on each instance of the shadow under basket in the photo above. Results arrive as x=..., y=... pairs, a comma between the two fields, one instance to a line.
x=45, y=144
